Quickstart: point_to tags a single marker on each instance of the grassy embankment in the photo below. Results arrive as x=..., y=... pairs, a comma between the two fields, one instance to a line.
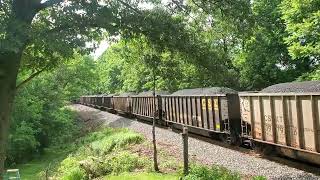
x=113, y=154
x=107, y=153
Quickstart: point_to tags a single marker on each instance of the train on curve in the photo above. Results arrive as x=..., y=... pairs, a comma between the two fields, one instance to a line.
x=282, y=118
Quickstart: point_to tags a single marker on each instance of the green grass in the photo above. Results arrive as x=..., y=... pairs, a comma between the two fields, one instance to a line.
x=143, y=176
x=51, y=158
x=107, y=145
x=102, y=153
x=259, y=178
x=109, y=154
x=213, y=172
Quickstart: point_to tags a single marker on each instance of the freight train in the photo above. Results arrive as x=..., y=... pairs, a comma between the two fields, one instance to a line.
x=282, y=119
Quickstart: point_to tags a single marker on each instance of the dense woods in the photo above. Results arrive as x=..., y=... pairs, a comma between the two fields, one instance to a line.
x=39, y=117
x=247, y=46
x=45, y=62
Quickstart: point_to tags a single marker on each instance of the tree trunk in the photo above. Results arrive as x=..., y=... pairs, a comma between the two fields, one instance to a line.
x=9, y=66
x=155, y=152
x=23, y=12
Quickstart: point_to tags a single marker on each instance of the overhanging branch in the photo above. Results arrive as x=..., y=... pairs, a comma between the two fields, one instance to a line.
x=30, y=78
x=130, y=7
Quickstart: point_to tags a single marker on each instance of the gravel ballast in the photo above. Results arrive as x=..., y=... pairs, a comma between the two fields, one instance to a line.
x=204, y=152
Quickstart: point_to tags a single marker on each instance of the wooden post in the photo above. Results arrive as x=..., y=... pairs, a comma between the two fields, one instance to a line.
x=185, y=151
x=160, y=110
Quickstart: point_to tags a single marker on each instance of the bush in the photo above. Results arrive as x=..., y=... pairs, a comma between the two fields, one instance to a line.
x=198, y=172
x=22, y=143
x=114, y=141
x=74, y=174
x=28, y=137
x=64, y=125
x=70, y=170
x=102, y=153
x=124, y=162
x=39, y=117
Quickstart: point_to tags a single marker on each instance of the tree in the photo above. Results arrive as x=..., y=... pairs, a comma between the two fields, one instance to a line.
x=40, y=34
x=38, y=42
x=223, y=26
x=77, y=77
x=153, y=62
x=39, y=117
x=110, y=66
x=303, y=27
x=123, y=68
x=264, y=59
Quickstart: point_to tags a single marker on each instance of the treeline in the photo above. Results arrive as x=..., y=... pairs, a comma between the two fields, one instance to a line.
x=244, y=45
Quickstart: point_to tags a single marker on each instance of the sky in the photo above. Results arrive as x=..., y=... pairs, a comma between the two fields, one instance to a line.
x=104, y=45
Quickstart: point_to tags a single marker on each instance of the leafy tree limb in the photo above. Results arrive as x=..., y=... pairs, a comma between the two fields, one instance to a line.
x=30, y=78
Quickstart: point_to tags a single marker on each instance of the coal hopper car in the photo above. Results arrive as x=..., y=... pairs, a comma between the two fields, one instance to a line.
x=98, y=99
x=212, y=112
x=284, y=117
x=89, y=101
x=122, y=103
x=107, y=102
x=144, y=105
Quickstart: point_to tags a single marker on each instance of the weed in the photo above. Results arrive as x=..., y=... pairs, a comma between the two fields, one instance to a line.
x=259, y=178
x=115, y=141
x=170, y=164
x=74, y=174
x=124, y=162
x=198, y=172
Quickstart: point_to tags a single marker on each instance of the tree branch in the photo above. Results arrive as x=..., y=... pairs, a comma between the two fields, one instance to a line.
x=200, y=6
x=49, y=3
x=130, y=7
x=30, y=78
